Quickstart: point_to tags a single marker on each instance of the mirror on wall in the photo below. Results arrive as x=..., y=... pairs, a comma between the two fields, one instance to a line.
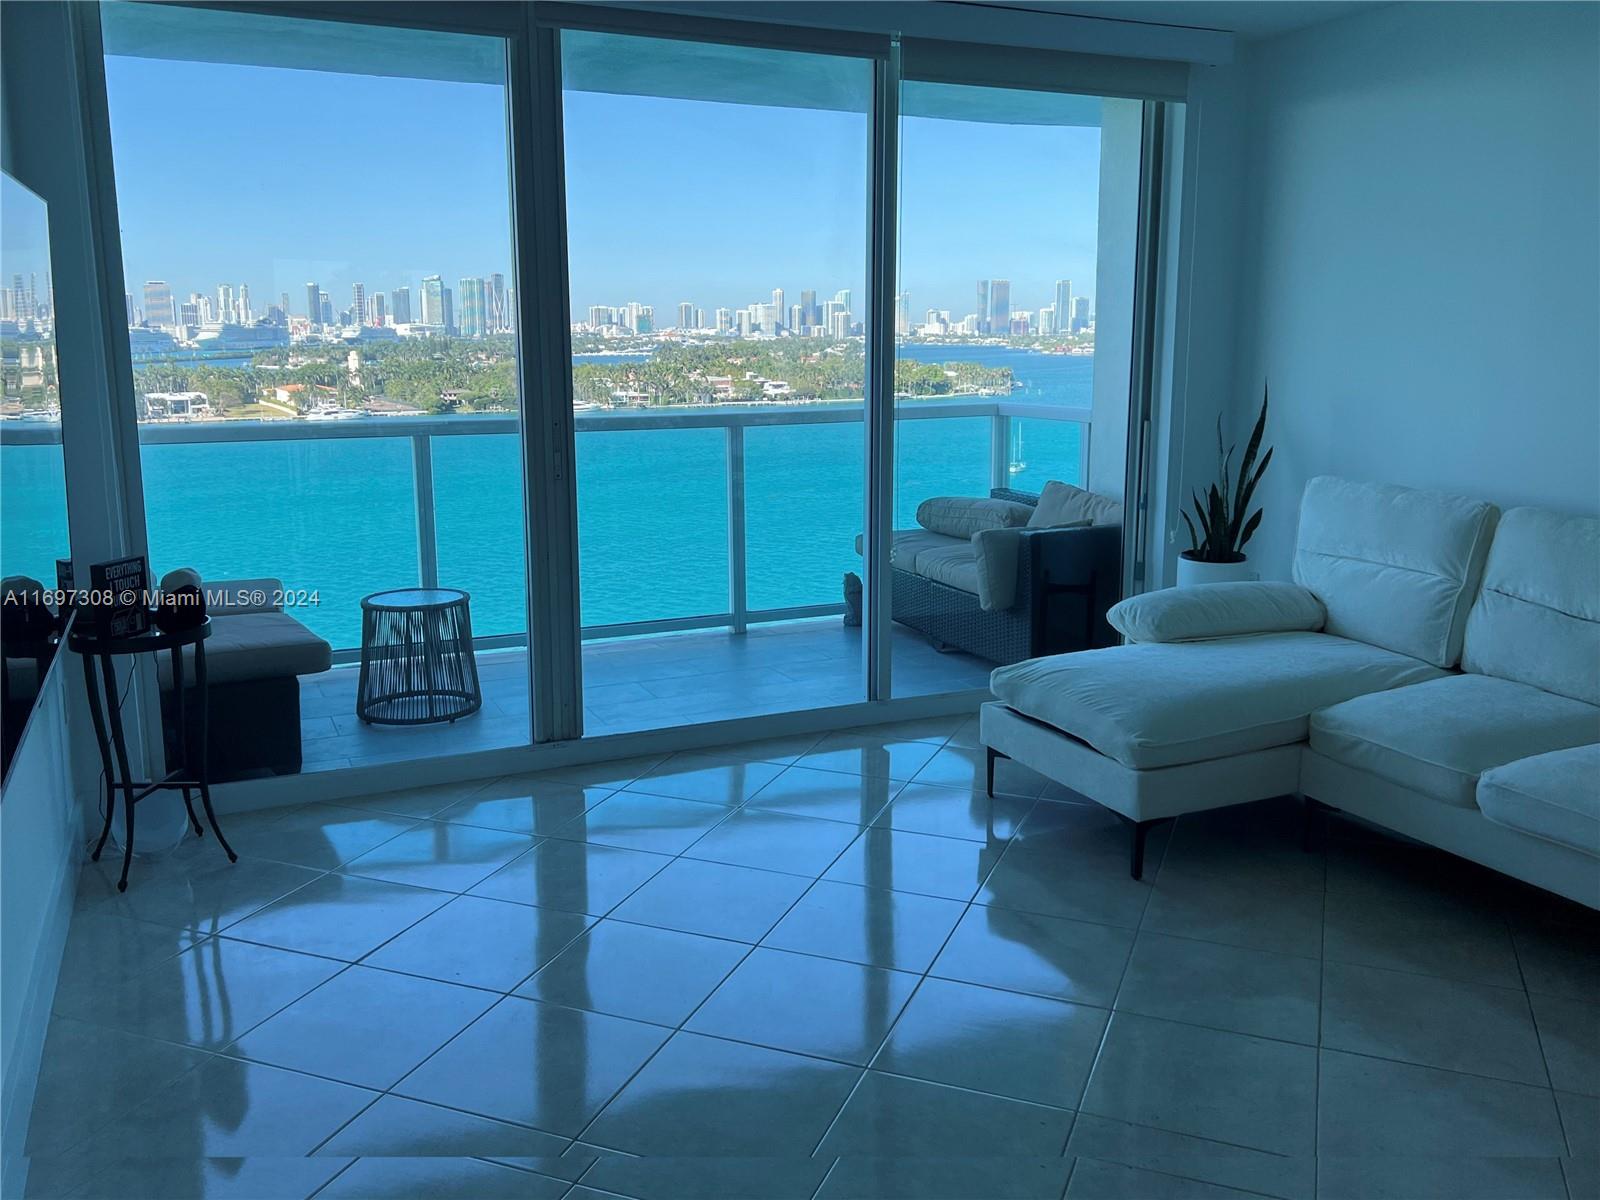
x=33, y=490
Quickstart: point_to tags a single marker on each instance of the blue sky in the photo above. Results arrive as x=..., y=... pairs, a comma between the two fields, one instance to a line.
x=274, y=177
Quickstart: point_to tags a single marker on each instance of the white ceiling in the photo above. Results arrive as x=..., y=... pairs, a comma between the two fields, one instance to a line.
x=1247, y=18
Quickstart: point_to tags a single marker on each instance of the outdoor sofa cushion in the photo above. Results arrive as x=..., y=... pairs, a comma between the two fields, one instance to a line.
x=963, y=516
x=1537, y=617
x=1063, y=504
x=254, y=645
x=1394, y=567
x=953, y=566
x=1217, y=610
x=1162, y=705
x=1553, y=796
x=1438, y=737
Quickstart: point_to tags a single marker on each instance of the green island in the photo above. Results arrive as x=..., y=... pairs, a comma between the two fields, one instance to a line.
x=453, y=375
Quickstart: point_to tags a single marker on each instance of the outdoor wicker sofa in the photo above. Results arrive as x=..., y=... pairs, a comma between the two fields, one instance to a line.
x=1065, y=580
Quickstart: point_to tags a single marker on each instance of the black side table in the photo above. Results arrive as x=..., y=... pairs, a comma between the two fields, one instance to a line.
x=190, y=775
x=417, y=664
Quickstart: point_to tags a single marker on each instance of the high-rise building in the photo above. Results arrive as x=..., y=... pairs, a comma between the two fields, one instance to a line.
x=432, y=300
x=983, y=306
x=474, y=313
x=746, y=325
x=159, y=309
x=378, y=314
x=999, y=305
x=842, y=299
x=797, y=318
x=1063, y=303
x=247, y=315
x=189, y=315
x=902, y=313
x=777, y=303
x=358, y=304
x=1047, y=319
x=225, y=310
x=810, y=314
x=447, y=310
x=699, y=318
x=1080, y=313
x=325, y=310
x=685, y=315
x=499, y=315
x=724, y=320
x=313, y=304
x=600, y=316
x=401, y=305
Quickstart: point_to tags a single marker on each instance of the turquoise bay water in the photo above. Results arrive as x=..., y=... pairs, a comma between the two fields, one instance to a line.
x=338, y=516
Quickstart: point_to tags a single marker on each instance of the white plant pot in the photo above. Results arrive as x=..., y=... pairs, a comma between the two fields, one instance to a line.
x=1192, y=573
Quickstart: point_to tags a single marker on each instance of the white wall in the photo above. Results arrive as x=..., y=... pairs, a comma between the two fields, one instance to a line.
x=41, y=840
x=1421, y=272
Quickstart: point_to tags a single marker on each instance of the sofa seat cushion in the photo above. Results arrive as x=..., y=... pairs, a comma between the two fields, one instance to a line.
x=1553, y=796
x=906, y=544
x=1163, y=704
x=1438, y=737
x=254, y=645
x=953, y=566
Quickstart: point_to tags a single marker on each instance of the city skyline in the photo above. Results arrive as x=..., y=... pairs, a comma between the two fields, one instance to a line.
x=438, y=179
x=453, y=308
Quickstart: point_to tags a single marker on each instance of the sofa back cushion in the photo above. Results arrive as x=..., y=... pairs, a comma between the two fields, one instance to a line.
x=1537, y=617
x=963, y=516
x=1062, y=504
x=1395, y=567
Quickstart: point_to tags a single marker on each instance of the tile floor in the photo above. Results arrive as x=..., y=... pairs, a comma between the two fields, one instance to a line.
x=640, y=683
x=820, y=968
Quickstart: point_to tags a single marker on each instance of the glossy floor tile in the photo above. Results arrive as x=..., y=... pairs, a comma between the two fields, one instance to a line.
x=656, y=975
x=809, y=1005
x=797, y=973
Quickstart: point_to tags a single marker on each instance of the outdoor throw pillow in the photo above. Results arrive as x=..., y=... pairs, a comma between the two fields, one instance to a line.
x=1063, y=504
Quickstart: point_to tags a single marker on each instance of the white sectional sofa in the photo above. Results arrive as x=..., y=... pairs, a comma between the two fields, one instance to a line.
x=1434, y=668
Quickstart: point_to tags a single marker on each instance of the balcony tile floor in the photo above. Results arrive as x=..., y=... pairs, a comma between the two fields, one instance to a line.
x=640, y=683
x=904, y=989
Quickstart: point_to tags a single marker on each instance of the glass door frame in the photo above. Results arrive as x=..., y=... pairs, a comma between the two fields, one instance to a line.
x=543, y=325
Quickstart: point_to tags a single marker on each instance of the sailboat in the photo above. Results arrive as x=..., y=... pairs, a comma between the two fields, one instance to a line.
x=1018, y=463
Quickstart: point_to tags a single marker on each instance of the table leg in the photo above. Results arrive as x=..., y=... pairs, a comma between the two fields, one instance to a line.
x=203, y=773
x=183, y=736
x=92, y=686
x=121, y=747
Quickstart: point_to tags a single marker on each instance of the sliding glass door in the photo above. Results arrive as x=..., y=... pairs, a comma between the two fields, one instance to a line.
x=317, y=239
x=785, y=299
x=1017, y=227
x=717, y=218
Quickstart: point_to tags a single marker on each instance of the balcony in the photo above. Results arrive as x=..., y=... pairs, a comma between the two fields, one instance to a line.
x=712, y=555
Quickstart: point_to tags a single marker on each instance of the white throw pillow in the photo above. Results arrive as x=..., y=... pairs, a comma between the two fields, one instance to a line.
x=1063, y=504
x=963, y=516
x=1217, y=610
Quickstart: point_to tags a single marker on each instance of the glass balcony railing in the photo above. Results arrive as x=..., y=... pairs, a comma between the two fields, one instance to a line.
x=694, y=518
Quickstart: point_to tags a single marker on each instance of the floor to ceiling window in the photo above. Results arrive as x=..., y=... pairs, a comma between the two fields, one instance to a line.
x=317, y=243
x=1017, y=216
x=717, y=219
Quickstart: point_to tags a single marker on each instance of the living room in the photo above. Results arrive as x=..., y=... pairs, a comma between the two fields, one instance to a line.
x=1128, y=729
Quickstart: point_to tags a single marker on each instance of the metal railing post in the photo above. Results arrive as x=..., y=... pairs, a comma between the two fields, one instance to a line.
x=1083, y=455
x=422, y=488
x=999, y=450
x=738, y=589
